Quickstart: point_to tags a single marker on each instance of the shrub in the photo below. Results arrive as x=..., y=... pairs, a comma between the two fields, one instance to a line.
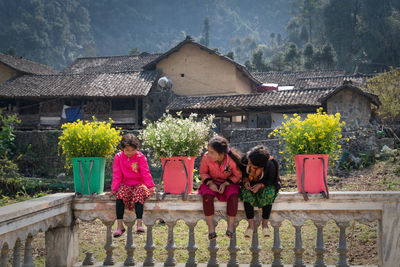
x=88, y=139
x=318, y=133
x=176, y=136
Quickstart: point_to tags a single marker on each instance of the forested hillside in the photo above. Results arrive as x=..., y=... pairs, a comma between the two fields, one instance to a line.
x=358, y=35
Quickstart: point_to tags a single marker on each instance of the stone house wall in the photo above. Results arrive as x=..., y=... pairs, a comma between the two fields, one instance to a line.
x=355, y=109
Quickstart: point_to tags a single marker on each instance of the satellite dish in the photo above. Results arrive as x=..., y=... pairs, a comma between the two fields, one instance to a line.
x=164, y=82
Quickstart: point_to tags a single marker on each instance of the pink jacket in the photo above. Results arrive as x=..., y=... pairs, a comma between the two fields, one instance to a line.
x=131, y=171
x=227, y=170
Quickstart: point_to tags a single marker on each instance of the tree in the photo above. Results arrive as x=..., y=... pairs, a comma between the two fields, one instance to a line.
x=292, y=55
x=11, y=51
x=308, y=54
x=387, y=87
x=308, y=11
x=134, y=51
x=277, y=61
x=279, y=40
x=258, y=62
x=205, y=39
x=231, y=55
x=328, y=56
x=303, y=34
x=243, y=48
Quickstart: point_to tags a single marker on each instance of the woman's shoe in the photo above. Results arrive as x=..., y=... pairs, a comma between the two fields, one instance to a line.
x=248, y=233
x=229, y=234
x=265, y=231
x=118, y=232
x=212, y=236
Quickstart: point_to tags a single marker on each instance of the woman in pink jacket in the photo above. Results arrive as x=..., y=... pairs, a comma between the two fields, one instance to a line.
x=131, y=181
x=220, y=176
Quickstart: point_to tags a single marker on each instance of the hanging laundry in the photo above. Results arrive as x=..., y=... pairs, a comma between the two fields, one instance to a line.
x=73, y=113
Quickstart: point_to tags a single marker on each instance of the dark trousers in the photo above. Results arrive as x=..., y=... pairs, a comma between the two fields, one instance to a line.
x=120, y=207
x=249, y=209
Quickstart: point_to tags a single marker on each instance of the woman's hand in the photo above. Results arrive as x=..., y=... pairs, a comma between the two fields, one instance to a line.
x=247, y=185
x=256, y=187
x=222, y=188
x=213, y=187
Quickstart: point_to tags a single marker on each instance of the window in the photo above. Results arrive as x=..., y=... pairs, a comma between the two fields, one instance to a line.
x=124, y=104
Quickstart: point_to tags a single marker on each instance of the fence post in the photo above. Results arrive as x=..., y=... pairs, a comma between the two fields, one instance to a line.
x=62, y=243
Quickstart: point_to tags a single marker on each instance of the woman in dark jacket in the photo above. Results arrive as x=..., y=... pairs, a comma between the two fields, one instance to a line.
x=260, y=187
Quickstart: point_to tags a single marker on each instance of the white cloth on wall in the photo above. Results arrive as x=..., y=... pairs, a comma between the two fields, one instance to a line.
x=63, y=115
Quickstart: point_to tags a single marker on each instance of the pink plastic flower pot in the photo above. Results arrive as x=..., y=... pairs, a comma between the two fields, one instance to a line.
x=311, y=172
x=178, y=175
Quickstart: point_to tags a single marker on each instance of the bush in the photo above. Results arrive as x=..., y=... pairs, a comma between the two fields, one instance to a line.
x=7, y=137
x=176, y=136
x=88, y=139
x=318, y=133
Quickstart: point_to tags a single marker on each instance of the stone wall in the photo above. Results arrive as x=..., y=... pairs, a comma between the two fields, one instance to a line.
x=40, y=156
x=355, y=109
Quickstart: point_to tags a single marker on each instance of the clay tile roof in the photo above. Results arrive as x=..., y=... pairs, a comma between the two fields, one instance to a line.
x=78, y=85
x=189, y=40
x=26, y=66
x=347, y=84
x=331, y=82
x=289, y=98
x=287, y=78
x=110, y=64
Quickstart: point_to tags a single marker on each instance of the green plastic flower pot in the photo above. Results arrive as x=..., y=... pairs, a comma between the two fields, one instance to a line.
x=89, y=174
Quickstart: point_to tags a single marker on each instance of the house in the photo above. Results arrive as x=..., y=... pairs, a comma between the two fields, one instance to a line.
x=196, y=79
x=196, y=70
x=11, y=67
x=106, y=87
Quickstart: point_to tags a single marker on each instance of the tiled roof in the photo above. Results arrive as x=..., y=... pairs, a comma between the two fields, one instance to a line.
x=331, y=82
x=110, y=64
x=349, y=85
x=285, y=78
x=77, y=85
x=290, y=98
x=26, y=66
x=189, y=40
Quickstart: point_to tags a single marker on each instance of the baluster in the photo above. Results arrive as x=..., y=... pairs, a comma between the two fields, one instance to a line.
x=109, y=246
x=170, y=247
x=4, y=256
x=255, y=248
x=213, y=249
x=319, y=247
x=149, y=247
x=89, y=260
x=342, y=248
x=276, y=248
x=191, y=248
x=298, y=248
x=17, y=254
x=28, y=261
x=130, y=246
x=233, y=249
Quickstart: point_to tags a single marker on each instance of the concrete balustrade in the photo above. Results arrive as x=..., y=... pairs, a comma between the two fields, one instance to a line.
x=56, y=214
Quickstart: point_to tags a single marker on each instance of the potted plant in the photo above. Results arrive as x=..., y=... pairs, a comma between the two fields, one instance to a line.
x=310, y=142
x=176, y=142
x=86, y=146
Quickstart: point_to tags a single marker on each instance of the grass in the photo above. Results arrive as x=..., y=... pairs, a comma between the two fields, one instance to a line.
x=360, y=237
